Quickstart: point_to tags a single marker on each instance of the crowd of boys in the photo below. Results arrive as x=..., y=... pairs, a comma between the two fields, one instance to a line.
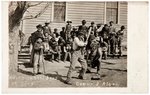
x=73, y=44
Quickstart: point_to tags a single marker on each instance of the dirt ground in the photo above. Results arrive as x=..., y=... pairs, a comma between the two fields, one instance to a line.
x=113, y=74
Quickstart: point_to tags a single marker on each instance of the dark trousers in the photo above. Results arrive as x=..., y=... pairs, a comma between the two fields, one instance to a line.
x=66, y=55
x=113, y=46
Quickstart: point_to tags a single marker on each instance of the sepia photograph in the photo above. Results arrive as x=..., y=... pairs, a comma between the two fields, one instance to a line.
x=75, y=46
x=67, y=44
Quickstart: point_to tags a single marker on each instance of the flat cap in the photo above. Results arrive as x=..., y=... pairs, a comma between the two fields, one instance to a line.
x=69, y=21
x=84, y=21
x=92, y=22
x=111, y=22
x=47, y=22
x=39, y=26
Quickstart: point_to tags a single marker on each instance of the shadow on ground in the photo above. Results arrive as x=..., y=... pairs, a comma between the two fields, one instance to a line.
x=56, y=76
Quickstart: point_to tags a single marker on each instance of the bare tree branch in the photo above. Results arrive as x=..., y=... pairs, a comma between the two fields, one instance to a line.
x=38, y=14
x=35, y=4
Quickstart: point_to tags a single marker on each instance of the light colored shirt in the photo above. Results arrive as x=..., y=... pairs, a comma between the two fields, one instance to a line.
x=77, y=43
x=99, y=29
x=112, y=29
x=57, y=38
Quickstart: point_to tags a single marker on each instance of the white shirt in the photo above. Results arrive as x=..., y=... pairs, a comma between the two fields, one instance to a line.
x=77, y=43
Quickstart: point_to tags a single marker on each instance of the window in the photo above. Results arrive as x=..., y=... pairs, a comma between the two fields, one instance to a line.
x=112, y=12
x=59, y=11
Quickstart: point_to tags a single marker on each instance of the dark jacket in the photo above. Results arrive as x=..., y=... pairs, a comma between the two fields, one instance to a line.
x=83, y=28
x=63, y=35
x=35, y=36
x=47, y=29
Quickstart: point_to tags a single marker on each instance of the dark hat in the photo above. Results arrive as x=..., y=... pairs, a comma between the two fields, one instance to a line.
x=55, y=28
x=122, y=27
x=92, y=22
x=111, y=22
x=106, y=25
x=47, y=22
x=39, y=26
x=99, y=24
x=63, y=27
x=84, y=21
x=69, y=21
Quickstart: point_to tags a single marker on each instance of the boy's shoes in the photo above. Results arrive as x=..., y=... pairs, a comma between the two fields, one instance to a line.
x=88, y=71
x=81, y=77
x=68, y=82
x=51, y=60
x=96, y=78
x=39, y=73
x=34, y=74
x=57, y=60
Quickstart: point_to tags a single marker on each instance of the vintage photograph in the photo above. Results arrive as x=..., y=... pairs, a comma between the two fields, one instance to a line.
x=67, y=44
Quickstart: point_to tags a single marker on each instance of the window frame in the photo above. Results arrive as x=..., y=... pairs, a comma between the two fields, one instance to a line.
x=118, y=13
x=52, y=14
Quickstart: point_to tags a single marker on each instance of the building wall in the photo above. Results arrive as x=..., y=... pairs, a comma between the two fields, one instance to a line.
x=75, y=11
x=123, y=13
x=90, y=11
x=29, y=25
x=123, y=19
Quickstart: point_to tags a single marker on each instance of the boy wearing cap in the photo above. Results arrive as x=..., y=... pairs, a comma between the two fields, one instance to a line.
x=73, y=32
x=67, y=49
x=83, y=29
x=77, y=56
x=105, y=32
x=95, y=56
x=93, y=27
x=46, y=42
x=37, y=50
x=120, y=38
x=68, y=29
x=112, y=38
x=56, y=32
x=63, y=33
x=34, y=36
x=47, y=28
x=55, y=47
x=38, y=56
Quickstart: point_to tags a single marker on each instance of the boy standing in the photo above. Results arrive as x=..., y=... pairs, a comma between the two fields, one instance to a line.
x=63, y=33
x=38, y=56
x=34, y=36
x=112, y=38
x=47, y=28
x=120, y=38
x=77, y=55
x=68, y=29
x=83, y=29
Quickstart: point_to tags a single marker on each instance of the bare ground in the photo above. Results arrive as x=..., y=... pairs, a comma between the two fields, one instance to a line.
x=113, y=74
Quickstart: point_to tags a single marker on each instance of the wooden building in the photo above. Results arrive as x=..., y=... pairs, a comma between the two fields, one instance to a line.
x=59, y=12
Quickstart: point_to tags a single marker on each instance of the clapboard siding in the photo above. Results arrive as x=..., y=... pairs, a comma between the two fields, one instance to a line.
x=76, y=11
x=123, y=13
x=30, y=24
x=90, y=11
x=123, y=19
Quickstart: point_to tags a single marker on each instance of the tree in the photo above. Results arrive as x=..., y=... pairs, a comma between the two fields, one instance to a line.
x=17, y=10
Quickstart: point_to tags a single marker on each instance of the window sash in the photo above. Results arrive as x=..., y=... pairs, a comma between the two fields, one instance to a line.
x=112, y=5
x=59, y=11
x=112, y=12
